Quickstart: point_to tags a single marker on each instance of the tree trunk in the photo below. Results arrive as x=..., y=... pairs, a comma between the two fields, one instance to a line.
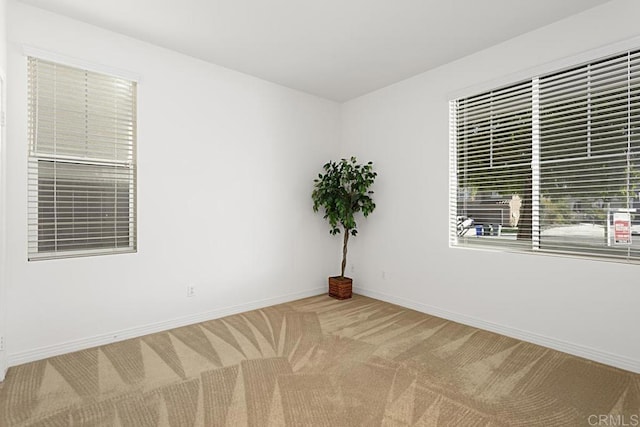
x=344, y=251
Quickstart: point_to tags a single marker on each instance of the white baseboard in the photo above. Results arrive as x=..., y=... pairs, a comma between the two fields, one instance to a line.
x=615, y=360
x=621, y=362
x=81, y=344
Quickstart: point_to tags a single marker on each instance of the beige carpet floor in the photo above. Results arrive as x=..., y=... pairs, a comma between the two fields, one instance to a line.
x=318, y=361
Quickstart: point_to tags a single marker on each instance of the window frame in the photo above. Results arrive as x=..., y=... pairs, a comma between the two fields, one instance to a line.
x=534, y=75
x=92, y=165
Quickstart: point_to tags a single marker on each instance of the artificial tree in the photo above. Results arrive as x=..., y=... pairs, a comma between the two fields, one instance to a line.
x=343, y=191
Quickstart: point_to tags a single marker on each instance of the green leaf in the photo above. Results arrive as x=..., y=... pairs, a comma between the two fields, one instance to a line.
x=342, y=192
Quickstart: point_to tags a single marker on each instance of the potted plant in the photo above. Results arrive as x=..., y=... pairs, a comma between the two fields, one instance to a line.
x=343, y=191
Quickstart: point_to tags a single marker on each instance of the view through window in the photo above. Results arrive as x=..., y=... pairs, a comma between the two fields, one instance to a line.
x=552, y=163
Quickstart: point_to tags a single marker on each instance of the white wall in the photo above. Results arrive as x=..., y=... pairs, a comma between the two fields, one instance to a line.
x=226, y=168
x=3, y=34
x=585, y=307
x=229, y=157
x=3, y=67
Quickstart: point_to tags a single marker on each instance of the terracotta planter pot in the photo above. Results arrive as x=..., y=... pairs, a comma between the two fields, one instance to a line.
x=340, y=287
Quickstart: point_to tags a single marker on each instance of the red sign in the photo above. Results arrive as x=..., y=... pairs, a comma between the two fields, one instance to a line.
x=622, y=227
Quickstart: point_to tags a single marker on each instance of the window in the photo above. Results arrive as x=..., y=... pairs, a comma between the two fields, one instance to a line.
x=82, y=162
x=551, y=164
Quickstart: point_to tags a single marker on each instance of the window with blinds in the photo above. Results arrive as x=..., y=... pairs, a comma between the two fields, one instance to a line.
x=551, y=164
x=82, y=162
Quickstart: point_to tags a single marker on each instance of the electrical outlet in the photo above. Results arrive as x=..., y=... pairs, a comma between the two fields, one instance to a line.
x=191, y=290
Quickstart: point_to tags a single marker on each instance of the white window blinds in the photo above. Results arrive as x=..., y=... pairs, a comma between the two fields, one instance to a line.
x=589, y=157
x=551, y=164
x=82, y=162
x=493, y=131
